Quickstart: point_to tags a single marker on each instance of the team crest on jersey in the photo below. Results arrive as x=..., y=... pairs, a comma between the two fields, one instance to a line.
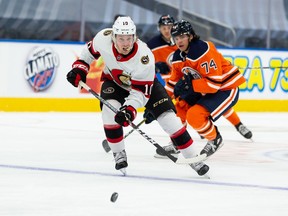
x=109, y=90
x=121, y=77
x=188, y=70
x=41, y=67
x=169, y=59
x=145, y=59
x=125, y=80
x=107, y=32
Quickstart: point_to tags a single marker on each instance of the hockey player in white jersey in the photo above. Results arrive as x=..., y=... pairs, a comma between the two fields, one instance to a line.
x=129, y=83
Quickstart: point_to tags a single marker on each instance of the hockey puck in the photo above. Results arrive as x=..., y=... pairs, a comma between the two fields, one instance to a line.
x=114, y=197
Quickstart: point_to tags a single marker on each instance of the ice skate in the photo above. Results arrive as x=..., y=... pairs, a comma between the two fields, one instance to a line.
x=200, y=167
x=170, y=149
x=244, y=131
x=213, y=145
x=121, y=161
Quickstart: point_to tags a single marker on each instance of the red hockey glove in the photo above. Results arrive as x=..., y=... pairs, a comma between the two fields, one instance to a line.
x=125, y=115
x=79, y=72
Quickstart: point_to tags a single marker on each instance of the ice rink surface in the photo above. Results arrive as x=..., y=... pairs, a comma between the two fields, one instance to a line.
x=53, y=164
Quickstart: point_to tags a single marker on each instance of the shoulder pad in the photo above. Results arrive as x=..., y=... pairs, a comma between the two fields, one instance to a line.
x=197, y=49
x=155, y=42
x=176, y=56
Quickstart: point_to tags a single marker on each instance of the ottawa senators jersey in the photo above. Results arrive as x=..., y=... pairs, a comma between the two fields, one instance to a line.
x=161, y=49
x=210, y=70
x=134, y=72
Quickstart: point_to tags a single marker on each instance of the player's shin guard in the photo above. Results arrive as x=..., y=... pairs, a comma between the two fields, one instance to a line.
x=172, y=125
x=183, y=142
x=114, y=136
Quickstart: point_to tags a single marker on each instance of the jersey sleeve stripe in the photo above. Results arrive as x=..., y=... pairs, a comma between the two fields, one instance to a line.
x=91, y=49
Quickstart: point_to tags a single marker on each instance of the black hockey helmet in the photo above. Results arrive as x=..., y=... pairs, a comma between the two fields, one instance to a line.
x=166, y=20
x=182, y=27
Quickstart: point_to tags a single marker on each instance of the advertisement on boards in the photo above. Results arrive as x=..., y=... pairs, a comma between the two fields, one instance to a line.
x=266, y=72
x=38, y=70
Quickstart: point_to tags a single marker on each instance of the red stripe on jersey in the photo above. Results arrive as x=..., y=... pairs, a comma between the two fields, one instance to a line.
x=137, y=82
x=91, y=49
x=105, y=77
x=143, y=86
x=121, y=58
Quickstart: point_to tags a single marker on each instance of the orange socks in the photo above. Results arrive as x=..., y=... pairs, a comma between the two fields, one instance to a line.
x=198, y=117
x=232, y=117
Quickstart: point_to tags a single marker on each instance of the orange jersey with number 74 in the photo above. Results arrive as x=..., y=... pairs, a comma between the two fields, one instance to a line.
x=210, y=70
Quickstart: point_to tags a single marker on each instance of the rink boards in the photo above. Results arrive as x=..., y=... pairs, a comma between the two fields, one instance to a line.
x=35, y=78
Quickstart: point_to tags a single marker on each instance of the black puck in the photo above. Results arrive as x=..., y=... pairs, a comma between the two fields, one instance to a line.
x=114, y=197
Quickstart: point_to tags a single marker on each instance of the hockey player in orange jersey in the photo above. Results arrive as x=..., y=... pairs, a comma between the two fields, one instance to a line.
x=163, y=48
x=208, y=86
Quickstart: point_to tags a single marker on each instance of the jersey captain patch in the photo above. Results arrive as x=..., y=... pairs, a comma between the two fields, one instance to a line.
x=145, y=59
x=107, y=32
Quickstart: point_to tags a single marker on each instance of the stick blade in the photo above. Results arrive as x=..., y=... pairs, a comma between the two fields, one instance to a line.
x=106, y=146
x=192, y=160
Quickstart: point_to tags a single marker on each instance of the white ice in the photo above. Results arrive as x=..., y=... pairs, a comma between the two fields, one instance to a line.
x=53, y=164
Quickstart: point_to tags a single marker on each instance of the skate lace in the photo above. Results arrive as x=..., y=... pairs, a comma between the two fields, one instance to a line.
x=210, y=146
x=120, y=156
x=243, y=130
x=197, y=166
x=169, y=148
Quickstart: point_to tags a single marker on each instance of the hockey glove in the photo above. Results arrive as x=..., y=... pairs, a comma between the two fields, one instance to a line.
x=183, y=86
x=184, y=90
x=125, y=115
x=78, y=72
x=149, y=117
x=162, y=68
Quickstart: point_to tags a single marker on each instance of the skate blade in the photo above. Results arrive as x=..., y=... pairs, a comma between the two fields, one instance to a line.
x=123, y=171
x=220, y=146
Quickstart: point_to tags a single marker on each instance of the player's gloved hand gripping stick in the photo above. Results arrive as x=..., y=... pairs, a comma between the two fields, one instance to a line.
x=174, y=159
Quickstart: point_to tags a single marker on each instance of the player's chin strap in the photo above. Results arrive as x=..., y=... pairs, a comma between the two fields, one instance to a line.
x=174, y=159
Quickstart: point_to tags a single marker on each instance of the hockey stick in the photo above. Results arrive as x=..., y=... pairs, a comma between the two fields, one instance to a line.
x=254, y=68
x=105, y=144
x=142, y=133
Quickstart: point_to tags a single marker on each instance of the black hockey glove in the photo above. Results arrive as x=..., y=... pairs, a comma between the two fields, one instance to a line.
x=183, y=86
x=162, y=68
x=184, y=90
x=78, y=72
x=125, y=115
x=149, y=117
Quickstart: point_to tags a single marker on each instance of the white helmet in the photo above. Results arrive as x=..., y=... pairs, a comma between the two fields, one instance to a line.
x=124, y=25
